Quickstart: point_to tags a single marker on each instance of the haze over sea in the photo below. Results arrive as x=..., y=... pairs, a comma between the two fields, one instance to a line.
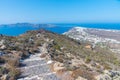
x=15, y=29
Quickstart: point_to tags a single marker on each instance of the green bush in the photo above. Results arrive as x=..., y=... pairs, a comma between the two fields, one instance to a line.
x=2, y=70
x=87, y=60
x=57, y=47
x=107, y=67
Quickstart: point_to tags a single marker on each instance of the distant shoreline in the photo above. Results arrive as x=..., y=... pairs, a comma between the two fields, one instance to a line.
x=20, y=28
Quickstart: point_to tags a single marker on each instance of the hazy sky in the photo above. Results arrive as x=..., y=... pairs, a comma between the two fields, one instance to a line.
x=59, y=11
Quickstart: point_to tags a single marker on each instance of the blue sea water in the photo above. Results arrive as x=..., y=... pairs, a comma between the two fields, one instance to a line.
x=58, y=28
x=14, y=31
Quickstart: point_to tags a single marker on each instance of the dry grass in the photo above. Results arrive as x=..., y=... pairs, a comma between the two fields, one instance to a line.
x=11, y=65
x=83, y=73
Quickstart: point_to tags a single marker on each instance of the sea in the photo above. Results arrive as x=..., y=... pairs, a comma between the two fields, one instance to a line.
x=56, y=28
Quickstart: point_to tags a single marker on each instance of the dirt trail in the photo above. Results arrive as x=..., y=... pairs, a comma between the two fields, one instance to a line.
x=36, y=68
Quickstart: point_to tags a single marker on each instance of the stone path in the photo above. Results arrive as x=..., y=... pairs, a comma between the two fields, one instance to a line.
x=36, y=68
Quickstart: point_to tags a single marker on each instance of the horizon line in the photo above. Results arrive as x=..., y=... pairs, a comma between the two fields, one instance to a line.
x=62, y=23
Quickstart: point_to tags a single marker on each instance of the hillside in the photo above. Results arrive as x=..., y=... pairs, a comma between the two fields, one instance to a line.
x=101, y=37
x=70, y=59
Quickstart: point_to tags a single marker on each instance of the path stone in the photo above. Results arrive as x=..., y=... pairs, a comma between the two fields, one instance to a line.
x=36, y=68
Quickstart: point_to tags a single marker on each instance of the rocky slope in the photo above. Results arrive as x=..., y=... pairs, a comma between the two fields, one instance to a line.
x=45, y=55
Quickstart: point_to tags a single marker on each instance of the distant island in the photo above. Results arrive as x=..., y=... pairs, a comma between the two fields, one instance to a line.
x=20, y=28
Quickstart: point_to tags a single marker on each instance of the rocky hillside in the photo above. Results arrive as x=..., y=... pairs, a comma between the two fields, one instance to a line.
x=109, y=38
x=68, y=58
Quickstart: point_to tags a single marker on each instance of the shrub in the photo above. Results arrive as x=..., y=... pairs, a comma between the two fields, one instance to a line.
x=1, y=60
x=116, y=62
x=57, y=47
x=13, y=62
x=2, y=70
x=106, y=66
x=25, y=54
x=87, y=60
x=14, y=73
x=83, y=73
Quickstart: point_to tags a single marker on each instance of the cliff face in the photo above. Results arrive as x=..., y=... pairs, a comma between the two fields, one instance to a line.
x=69, y=58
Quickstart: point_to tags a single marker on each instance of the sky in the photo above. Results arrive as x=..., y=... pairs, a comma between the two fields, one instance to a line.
x=59, y=11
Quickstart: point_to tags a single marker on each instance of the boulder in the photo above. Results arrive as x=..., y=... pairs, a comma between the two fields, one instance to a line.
x=43, y=55
x=80, y=78
x=50, y=62
x=58, y=66
x=38, y=35
x=2, y=47
x=2, y=42
x=4, y=77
